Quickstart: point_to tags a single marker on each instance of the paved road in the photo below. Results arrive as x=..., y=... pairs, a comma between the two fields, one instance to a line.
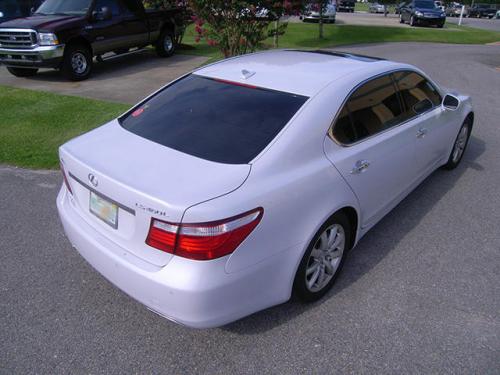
x=125, y=79
x=420, y=294
x=480, y=23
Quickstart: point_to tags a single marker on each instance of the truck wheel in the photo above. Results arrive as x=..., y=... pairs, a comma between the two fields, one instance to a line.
x=22, y=72
x=412, y=21
x=77, y=62
x=165, y=45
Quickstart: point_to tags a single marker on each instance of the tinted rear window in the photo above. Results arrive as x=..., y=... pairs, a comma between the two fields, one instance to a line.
x=213, y=120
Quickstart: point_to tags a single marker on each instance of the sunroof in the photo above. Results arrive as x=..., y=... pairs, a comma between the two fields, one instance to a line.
x=353, y=56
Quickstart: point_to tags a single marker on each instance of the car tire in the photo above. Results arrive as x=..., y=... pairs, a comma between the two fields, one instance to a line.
x=165, y=45
x=22, y=72
x=412, y=21
x=77, y=62
x=440, y=25
x=460, y=145
x=313, y=279
x=401, y=20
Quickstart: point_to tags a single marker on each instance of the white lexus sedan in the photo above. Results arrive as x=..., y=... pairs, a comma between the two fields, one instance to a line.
x=247, y=181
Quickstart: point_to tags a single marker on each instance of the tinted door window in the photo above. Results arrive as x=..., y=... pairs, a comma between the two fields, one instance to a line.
x=213, y=120
x=372, y=108
x=111, y=4
x=415, y=91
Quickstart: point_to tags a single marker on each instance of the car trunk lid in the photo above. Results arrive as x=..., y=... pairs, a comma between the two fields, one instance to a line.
x=141, y=179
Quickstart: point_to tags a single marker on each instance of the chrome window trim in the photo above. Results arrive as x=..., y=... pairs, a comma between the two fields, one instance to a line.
x=334, y=122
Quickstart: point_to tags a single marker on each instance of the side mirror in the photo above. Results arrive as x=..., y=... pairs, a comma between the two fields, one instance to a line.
x=103, y=15
x=422, y=106
x=451, y=102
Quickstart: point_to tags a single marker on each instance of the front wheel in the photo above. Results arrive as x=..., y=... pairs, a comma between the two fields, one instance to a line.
x=412, y=21
x=459, y=146
x=165, y=45
x=323, y=259
x=22, y=72
x=77, y=63
x=401, y=20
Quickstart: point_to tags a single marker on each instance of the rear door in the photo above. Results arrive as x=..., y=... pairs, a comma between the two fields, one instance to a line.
x=377, y=151
x=134, y=24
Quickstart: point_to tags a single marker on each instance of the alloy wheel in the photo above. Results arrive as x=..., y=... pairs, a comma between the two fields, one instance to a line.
x=325, y=258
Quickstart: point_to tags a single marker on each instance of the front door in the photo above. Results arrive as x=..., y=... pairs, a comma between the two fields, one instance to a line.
x=376, y=152
x=423, y=107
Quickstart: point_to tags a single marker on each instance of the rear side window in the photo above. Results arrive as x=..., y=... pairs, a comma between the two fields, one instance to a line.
x=372, y=108
x=213, y=120
x=416, y=91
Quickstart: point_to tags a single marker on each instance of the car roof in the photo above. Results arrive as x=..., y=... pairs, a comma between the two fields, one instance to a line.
x=294, y=71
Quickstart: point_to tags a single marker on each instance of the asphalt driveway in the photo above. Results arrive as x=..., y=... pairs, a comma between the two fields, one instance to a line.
x=125, y=79
x=419, y=294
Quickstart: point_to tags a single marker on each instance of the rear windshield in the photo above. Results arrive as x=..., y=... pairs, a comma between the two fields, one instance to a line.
x=213, y=120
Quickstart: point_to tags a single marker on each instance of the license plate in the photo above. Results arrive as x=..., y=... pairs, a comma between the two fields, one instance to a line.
x=104, y=210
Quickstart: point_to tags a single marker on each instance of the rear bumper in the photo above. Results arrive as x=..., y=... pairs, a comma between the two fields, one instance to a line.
x=199, y=294
x=39, y=57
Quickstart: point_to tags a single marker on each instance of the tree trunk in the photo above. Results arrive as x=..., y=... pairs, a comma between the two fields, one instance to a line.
x=321, y=21
x=276, y=27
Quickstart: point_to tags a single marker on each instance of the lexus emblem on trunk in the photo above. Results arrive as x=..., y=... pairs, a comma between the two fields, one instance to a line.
x=93, y=180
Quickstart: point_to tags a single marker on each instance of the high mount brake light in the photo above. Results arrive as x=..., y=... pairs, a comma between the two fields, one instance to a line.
x=203, y=241
x=235, y=83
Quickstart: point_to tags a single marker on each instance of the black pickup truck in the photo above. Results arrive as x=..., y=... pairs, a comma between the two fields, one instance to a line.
x=68, y=34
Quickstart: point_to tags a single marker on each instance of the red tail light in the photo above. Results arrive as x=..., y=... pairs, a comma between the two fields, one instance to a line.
x=203, y=241
x=65, y=178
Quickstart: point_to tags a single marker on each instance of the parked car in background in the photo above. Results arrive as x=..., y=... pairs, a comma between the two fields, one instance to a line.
x=440, y=5
x=346, y=5
x=376, y=8
x=455, y=9
x=497, y=15
x=312, y=15
x=215, y=198
x=66, y=35
x=12, y=9
x=397, y=8
x=482, y=10
x=422, y=12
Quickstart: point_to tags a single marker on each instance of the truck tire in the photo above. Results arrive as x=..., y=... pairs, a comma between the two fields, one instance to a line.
x=22, y=72
x=165, y=45
x=77, y=62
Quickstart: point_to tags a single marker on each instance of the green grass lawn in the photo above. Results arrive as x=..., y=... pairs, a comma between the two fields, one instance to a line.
x=361, y=7
x=34, y=124
x=305, y=35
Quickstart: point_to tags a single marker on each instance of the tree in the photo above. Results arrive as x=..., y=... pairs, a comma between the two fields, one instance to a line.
x=386, y=3
x=319, y=6
x=236, y=26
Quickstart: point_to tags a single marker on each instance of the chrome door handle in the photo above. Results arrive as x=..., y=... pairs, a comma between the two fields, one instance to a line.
x=421, y=132
x=360, y=166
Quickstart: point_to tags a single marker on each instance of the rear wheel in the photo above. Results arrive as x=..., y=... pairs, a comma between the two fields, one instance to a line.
x=22, y=72
x=323, y=259
x=401, y=20
x=460, y=145
x=77, y=62
x=165, y=45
